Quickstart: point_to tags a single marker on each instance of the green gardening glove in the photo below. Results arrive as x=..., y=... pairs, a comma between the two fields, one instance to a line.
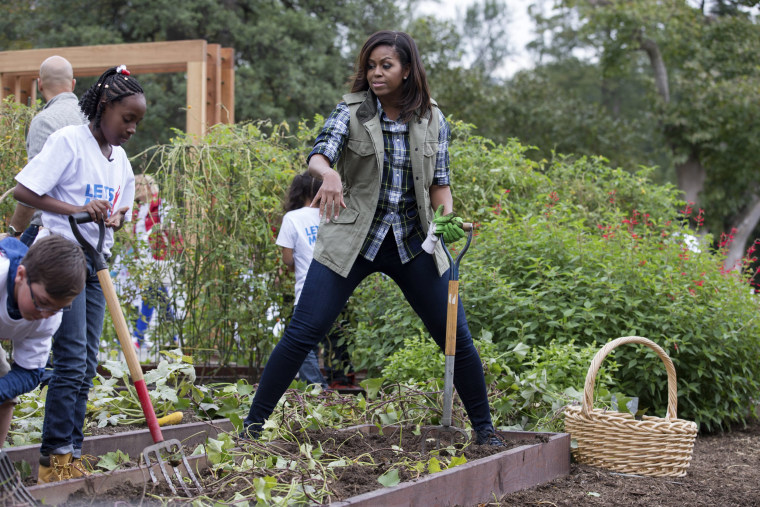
x=448, y=226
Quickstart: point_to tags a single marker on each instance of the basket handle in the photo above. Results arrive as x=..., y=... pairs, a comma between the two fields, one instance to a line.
x=588, y=391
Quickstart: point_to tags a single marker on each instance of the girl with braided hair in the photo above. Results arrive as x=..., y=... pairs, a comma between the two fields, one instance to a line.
x=82, y=168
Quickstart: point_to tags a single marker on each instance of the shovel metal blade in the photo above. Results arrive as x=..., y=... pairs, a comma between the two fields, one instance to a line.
x=170, y=452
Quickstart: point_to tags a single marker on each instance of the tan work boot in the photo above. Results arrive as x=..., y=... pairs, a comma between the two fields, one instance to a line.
x=54, y=468
x=80, y=467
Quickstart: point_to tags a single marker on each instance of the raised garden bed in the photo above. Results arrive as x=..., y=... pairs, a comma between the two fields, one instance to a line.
x=538, y=458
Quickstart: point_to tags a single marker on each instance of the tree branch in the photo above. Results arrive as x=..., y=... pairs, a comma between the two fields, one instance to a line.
x=744, y=225
x=658, y=66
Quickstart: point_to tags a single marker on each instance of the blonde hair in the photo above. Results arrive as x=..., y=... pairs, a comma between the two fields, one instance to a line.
x=148, y=180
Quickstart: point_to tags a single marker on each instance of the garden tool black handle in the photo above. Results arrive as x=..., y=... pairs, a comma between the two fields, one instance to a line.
x=454, y=263
x=96, y=253
x=452, y=300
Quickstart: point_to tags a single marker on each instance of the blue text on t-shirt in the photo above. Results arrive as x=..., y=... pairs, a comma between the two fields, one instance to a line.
x=98, y=191
x=311, y=233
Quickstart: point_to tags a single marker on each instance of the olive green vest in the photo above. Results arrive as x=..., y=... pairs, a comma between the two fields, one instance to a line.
x=361, y=168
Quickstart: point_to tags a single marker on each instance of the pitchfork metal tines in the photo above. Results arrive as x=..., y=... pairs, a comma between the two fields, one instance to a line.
x=162, y=451
x=12, y=490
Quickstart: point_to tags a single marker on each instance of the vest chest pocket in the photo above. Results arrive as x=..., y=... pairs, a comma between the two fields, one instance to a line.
x=430, y=152
x=359, y=161
x=360, y=148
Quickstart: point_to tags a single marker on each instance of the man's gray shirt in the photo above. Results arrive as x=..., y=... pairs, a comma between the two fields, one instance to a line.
x=61, y=111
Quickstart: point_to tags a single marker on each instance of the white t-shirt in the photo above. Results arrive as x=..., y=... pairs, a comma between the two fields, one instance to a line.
x=72, y=169
x=31, y=338
x=299, y=232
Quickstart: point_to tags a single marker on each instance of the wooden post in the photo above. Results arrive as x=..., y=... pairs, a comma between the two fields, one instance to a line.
x=228, y=86
x=19, y=69
x=214, y=80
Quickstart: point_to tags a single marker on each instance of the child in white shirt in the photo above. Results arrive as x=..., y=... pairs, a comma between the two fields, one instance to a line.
x=82, y=168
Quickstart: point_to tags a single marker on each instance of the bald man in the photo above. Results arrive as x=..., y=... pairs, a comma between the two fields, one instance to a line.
x=56, y=85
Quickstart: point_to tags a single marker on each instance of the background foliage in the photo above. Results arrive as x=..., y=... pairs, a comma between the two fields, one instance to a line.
x=570, y=248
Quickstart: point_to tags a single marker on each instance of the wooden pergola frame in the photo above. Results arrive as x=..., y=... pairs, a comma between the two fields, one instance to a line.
x=209, y=67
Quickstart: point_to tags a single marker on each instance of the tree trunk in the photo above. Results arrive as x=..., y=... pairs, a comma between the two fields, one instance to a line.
x=658, y=66
x=744, y=225
x=691, y=177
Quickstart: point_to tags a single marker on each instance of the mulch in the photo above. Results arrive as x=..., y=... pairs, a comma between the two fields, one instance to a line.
x=724, y=471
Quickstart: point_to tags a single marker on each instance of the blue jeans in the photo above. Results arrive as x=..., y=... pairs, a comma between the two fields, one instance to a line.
x=323, y=296
x=75, y=358
x=309, y=371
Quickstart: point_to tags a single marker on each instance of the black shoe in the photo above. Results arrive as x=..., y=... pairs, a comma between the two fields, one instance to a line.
x=488, y=437
x=249, y=433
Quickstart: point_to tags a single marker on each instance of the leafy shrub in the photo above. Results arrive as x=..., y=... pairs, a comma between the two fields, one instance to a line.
x=14, y=123
x=574, y=251
x=564, y=282
x=527, y=386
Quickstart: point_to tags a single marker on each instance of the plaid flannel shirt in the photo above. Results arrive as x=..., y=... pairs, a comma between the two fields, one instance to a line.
x=396, y=205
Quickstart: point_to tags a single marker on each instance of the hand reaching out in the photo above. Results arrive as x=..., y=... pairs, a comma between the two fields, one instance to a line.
x=329, y=198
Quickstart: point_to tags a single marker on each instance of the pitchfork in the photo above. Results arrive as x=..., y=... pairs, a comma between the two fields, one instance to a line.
x=451, y=434
x=12, y=490
x=162, y=451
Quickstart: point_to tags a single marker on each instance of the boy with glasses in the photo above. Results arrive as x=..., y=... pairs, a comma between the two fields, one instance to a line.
x=37, y=284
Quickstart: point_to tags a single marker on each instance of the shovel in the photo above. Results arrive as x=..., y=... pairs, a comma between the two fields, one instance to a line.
x=447, y=435
x=162, y=451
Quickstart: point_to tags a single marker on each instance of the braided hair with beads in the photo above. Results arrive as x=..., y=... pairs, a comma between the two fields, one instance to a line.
x=112, y=86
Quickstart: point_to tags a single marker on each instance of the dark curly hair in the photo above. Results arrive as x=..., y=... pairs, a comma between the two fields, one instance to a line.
x=304, y=186
x=112, y=86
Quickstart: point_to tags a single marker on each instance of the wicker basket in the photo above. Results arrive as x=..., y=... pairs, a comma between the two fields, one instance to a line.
x=652, y=446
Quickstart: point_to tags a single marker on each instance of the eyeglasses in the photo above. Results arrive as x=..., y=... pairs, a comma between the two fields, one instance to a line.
x=42, y=309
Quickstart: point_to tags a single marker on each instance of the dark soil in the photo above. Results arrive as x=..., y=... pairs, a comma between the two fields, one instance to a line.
x=381, y=450
x=725, y=471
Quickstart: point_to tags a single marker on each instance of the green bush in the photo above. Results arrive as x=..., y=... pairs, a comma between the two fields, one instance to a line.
x=560, y=280
x=14, y=123
x=527, y=387
x=571, y=250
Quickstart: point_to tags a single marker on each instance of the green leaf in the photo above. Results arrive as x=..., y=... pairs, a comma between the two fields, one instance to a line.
x=372, y=386
x=457, y=460
x=434, y=465
x=389, y=478
x=113, y=460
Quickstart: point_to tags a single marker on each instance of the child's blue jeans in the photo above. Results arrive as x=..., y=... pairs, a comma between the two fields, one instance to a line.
x=75, y=358
x=309, y=371
x=323, y=296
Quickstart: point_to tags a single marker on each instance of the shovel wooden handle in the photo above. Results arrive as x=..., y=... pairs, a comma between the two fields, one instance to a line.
x=451, y=318
x=128, y=349
x=122, y=330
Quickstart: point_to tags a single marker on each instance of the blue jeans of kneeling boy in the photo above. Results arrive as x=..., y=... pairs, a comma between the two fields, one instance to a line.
x=323, y=296
x=75, y=358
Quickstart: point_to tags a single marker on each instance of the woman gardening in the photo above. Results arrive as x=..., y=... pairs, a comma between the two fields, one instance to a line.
x=388, y=142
